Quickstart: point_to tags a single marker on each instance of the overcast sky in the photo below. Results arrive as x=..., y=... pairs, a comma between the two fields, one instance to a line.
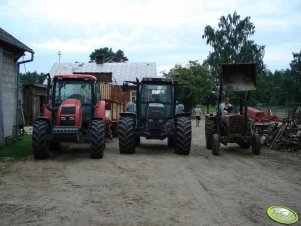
x=166, y=32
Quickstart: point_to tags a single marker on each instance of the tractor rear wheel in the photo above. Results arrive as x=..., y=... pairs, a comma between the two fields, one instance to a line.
x=127, y=139
x=210, y=129
x=97, y=139
x=40, y=144
x=183, y=136
x=215, y=144
x=256, y=144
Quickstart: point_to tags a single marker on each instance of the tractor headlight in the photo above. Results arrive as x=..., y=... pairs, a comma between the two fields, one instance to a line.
x=63, y=118
x=71, y=118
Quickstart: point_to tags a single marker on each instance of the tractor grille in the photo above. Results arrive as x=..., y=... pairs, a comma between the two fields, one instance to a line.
x=68, y=110
x=155, y=124
x=67, y=122
x=65, y=130
x=155, y=112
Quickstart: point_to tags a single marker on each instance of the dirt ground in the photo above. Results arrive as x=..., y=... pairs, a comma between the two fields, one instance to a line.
x=152, y=187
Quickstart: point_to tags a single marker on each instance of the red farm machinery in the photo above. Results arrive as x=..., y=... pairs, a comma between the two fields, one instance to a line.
x=74, y=112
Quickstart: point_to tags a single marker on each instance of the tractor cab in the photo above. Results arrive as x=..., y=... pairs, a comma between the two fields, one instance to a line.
x=156, y=99
x=74, y=92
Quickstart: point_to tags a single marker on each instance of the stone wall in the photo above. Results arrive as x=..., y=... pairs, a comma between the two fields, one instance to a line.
x=9, y=93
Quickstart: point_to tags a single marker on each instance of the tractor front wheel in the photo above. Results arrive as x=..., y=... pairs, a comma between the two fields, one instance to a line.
x=127, y=139
x=210, y=129
x=183, y=136
x=40, y=144
x=215, y=144
x=97, y=139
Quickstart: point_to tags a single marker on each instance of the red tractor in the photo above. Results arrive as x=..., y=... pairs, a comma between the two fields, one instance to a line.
x=237, y=80
x=73, y=113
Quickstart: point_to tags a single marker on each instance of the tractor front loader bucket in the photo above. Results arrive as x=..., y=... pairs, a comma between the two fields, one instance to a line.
x=238, y=77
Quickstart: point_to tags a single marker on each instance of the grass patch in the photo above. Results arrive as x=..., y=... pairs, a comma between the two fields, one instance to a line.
x=18, y=150
x=21, y=149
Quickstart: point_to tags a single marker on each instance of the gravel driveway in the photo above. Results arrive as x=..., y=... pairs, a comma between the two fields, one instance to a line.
x=152, y=187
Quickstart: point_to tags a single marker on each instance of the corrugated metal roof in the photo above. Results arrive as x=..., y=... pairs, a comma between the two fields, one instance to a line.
x=120, y=71
x=11, y=40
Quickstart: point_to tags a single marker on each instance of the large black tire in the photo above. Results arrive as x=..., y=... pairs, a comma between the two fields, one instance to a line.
x=127, y=138
x=215, y=144
x=40, y=144
x=183, y=136
x=210, y=129
x=97, y=139
x=256, y=144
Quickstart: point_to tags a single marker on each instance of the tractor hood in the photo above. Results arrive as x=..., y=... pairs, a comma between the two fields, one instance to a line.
x=238, y=77
x=69, y=113
x=156, y=110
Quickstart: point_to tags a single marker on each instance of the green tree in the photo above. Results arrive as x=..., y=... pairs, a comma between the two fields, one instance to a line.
x=296, y=63
x=32, y=78
x=296, y=73
x=108, y=55
x=231, y=44
x=285, y=85
x=198, y=78
x=263, y=91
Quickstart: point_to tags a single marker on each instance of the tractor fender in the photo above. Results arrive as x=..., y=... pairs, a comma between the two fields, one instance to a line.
x=100, y=110
x=43, y=118
x=47, y=113
x=128, y=114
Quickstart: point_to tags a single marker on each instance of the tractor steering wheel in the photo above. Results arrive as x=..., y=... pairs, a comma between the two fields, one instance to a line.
x=78, y=97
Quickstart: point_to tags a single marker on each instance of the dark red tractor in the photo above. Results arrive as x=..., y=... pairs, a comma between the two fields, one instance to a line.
x=236, y=80
x=73, y=113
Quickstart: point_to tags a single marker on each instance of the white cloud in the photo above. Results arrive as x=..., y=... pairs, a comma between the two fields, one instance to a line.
x=165, y=31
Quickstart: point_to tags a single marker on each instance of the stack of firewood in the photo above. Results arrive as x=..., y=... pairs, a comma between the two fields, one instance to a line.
x=285, y=135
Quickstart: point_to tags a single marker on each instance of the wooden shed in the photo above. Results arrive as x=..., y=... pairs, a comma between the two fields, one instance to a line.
x=34, y=97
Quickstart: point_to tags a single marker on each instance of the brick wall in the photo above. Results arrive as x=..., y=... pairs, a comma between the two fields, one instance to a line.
x=9, y=93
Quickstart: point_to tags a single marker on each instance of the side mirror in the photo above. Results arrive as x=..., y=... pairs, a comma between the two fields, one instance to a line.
x=48, y=87
x=125, y=87
x=186, y=90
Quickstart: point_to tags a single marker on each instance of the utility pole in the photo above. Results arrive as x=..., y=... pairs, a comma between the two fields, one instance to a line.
x=59, y=54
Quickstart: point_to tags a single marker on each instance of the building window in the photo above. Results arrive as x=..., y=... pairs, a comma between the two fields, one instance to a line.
x=133, y=95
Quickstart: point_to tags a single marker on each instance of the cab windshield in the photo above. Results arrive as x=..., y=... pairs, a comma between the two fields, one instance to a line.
x=152, y=93
x=156, y=93
x=73, y=89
